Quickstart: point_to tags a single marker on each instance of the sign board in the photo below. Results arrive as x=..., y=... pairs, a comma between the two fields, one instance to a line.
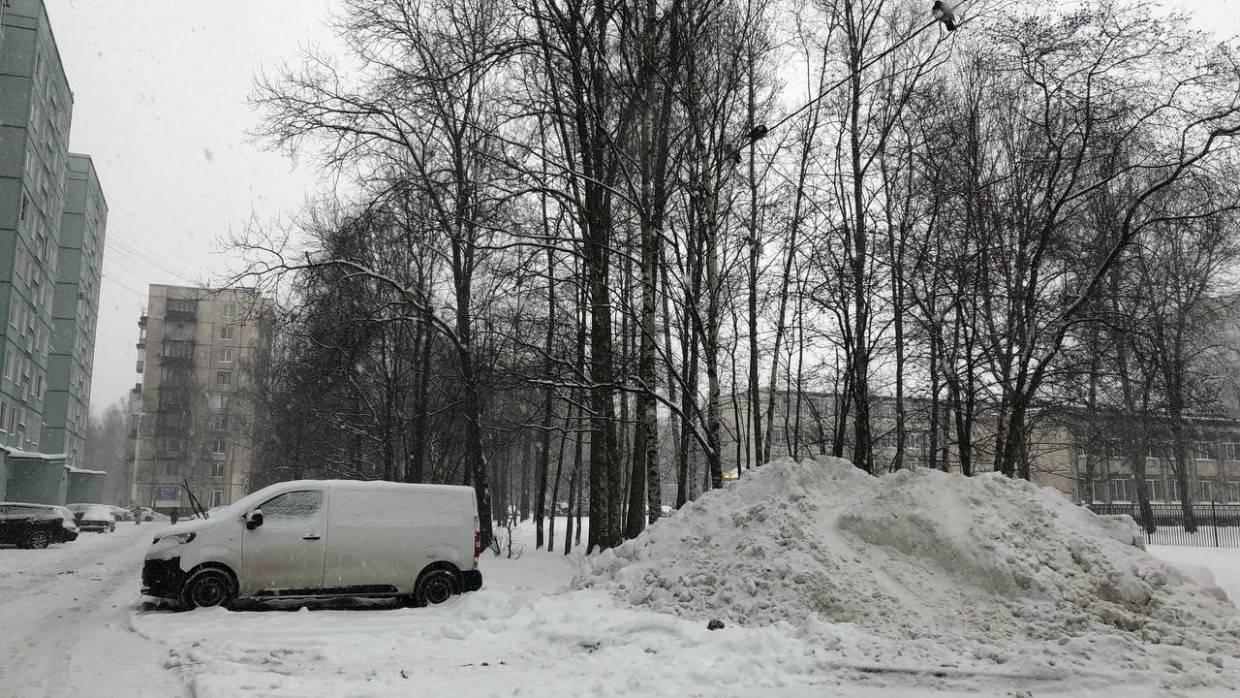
x=166, y=495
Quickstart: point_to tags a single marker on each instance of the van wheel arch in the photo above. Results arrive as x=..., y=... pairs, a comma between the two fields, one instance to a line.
x=437, y=582
x=214, y=567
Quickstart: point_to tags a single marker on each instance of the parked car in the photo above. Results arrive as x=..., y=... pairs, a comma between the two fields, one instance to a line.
x=93, y=517
x=147, y=513
x=120, y=513
x=70, y=523
x=317, y=538
x=32, y=525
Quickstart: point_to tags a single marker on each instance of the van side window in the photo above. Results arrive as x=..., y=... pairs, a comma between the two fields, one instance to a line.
x=292, y=506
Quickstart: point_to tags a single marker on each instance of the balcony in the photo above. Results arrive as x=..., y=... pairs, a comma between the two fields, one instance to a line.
x=171, y=424
x=139, y=366
x=181, y=316
x=173, y=396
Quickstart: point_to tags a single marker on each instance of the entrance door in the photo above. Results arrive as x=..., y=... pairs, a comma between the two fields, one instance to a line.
x=285, y=554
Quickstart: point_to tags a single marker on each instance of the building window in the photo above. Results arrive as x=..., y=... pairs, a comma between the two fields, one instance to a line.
x=215, y=499
x=231, y=311
x=217, y=470
x=1233, y=491
x=1206, y=490
x=1203, y=450
x=178, y=349
x=1098, y=490
x=219, y=422
x=225, y=355
x=1120, y=489
x=174, y=376
x=182, y=305
x=226, y=332
x=218, y=447
x=1231, y=451
x=27, y=207
x=169, y=444
x=1155, y=489
x=170, y=467
x=223, y=377
x=218, y=401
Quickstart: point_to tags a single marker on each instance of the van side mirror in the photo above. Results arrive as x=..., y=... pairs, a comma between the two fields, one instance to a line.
x=254, y=519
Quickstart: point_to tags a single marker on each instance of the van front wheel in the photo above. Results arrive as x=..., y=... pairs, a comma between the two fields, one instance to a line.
x=435, y=587
x=208, y=588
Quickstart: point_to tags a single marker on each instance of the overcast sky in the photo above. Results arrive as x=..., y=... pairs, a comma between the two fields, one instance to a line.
x=159, y=102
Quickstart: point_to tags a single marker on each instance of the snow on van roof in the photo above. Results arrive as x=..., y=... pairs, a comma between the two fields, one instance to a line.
x=368, y=484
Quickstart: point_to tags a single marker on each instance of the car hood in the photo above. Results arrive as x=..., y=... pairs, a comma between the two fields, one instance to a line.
x=187, y=527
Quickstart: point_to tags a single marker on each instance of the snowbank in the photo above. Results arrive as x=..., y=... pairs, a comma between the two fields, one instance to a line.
x=943, y=570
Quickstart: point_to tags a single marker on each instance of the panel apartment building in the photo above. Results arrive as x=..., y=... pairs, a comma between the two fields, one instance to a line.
x=194, y=411
x=52, y=220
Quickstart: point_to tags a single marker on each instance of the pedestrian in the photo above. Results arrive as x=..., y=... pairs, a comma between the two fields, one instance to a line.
x=173, y=515
x=137, y=516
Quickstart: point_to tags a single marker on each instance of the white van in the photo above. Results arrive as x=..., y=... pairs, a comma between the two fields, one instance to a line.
x=314, y=538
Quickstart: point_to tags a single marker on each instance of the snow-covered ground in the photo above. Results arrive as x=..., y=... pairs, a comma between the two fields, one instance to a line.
x=547, y=625
x=1223, y=564
x=65, y=620
x=1205, y=536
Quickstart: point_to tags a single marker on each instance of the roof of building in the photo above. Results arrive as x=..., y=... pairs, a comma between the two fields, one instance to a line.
x=84, y=471
x=31, y=455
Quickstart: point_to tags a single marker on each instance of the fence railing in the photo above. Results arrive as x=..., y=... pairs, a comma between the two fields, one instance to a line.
x=1217, y=525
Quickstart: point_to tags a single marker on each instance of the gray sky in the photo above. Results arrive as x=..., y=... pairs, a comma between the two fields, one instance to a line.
x=159, y=101
x=159, y=92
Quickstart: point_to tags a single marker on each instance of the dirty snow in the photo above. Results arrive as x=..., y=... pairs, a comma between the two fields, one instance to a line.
x=931, y=573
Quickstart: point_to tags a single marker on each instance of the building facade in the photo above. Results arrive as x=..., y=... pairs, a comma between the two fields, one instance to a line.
x=198, y=351
x=1088, y=457
x=75, y=312
x=52, y=221
x=35, y=112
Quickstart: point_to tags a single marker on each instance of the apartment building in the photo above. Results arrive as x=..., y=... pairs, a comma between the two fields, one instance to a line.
x=198, y=351
x=75, y=312
x=52, y=221
x=35, y=111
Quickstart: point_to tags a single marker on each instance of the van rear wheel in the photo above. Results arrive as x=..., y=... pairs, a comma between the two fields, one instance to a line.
x=209, y=588
x=435, y=587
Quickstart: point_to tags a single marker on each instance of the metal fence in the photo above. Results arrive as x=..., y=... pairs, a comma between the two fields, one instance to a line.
x=1218, y=525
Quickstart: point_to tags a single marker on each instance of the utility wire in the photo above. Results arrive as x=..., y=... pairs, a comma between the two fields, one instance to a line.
x=762, y=130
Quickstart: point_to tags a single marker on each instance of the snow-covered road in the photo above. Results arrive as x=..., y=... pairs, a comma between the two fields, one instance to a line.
x=65, y=620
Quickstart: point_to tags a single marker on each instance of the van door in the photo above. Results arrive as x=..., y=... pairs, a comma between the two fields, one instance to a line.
x=285, y=554
x=376, y=545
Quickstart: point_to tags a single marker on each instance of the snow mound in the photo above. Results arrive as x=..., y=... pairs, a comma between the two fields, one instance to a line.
x=952, y=571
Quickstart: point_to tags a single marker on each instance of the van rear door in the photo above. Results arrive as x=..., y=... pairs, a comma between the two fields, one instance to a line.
x=284, y=556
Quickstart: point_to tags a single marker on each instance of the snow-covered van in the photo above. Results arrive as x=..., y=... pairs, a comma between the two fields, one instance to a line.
x=314, y=538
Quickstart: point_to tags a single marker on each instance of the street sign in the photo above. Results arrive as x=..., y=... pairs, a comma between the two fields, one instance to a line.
x=166, y=495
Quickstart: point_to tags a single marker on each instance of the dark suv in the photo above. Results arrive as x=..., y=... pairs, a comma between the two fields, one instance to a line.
x=32, y=525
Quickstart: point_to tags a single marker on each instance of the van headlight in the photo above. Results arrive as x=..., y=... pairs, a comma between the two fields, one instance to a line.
x=178, y=538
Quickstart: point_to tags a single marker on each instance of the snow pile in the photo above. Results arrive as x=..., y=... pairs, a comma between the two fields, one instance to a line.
x=944, y=570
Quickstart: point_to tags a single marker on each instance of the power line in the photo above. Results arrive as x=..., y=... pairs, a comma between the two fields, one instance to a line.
x=761, y=130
